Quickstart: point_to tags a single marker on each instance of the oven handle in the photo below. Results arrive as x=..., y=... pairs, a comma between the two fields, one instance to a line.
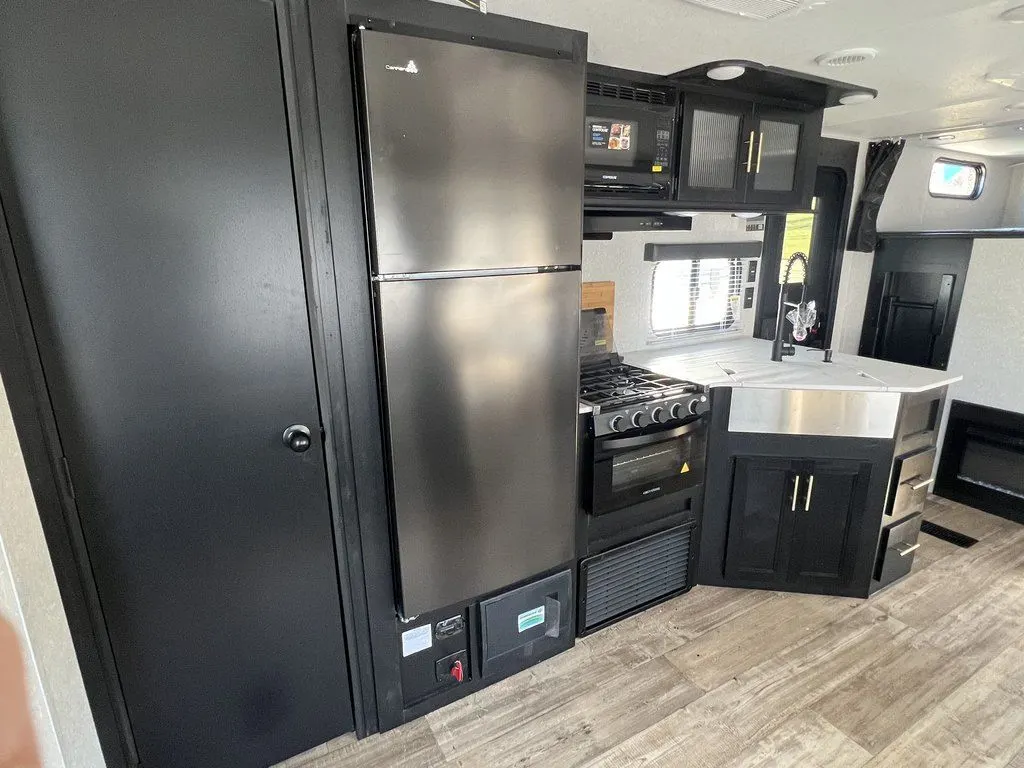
x=637, y=442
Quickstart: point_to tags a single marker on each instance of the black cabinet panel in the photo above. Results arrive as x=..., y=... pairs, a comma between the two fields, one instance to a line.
x=914, y=300
x=760, y=519
x=148, y=167
x=747, y=156
x=786, y=158
x=717, y=151
x=833, y=499
x=793, y=522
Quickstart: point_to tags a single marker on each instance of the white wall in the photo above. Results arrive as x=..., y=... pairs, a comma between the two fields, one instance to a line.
x=909, y=208
x=621, y=260
x=854, y=278
x=988, y=347
x=1013, y=215
x=29, y=600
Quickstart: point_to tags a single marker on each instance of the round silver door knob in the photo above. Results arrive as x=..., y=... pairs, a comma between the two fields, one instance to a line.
x=298, y=438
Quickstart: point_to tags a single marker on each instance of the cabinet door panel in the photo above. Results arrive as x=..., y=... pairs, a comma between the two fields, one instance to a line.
x=778, y=144
x=823, y=544
x=785, y=158
x=760, y=519
x=716, y=150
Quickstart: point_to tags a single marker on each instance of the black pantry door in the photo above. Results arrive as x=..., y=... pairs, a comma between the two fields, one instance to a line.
x=147, y=177
x=914, y=299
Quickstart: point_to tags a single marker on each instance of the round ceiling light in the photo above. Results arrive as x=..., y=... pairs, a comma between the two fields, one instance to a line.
x=846, y=57
x=1014, y=15
x=856, y=97
x=726, y=72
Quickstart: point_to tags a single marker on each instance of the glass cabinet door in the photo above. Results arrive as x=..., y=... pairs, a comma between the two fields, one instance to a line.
x=717, y=150
x=785, y=157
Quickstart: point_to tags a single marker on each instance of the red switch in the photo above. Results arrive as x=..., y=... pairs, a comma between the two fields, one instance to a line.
x=456, y=671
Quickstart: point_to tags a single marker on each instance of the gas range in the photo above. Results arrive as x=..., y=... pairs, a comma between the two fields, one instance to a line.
x=627, y=398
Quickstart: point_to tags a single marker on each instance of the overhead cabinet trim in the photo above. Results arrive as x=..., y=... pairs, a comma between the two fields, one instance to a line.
x=675, y=251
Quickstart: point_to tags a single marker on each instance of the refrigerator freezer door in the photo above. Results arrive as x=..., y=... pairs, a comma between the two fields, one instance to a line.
x=481, y=378
x=476, y=156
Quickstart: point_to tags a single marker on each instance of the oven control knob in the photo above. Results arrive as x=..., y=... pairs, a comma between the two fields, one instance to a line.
x=659, y=415
x=699, y=405
x=615, y=423
x=640, y=419
x=677, y=411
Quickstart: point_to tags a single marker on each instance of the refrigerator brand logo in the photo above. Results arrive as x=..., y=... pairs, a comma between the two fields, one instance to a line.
x=411, y=68
x=608, y=177
x=655, y=489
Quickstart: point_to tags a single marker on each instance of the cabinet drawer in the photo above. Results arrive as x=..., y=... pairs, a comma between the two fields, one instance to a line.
x=896, y=551
x=912, y=474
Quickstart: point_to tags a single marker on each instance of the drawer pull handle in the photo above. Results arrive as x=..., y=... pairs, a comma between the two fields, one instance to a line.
x=796, y=492
x=910, y=549
x=810, y=490
x=917, y=486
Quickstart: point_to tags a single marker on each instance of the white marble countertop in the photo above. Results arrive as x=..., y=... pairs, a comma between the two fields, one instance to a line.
x=747, y=363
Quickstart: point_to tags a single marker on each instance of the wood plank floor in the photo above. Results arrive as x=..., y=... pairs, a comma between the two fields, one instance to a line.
x=928, y=673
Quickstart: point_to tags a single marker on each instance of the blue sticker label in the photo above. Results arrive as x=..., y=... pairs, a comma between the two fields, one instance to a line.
x=531, y=618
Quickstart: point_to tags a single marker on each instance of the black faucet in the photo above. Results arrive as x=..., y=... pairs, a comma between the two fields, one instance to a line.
x=780, y=348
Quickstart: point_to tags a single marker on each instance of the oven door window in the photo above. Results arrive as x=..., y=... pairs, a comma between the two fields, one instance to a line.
x=650, y=464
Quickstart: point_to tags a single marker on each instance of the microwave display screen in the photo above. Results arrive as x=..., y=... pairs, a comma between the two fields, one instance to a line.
x=611, y=142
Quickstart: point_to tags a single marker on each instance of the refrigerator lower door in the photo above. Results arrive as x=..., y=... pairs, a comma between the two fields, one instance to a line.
x=481, y=380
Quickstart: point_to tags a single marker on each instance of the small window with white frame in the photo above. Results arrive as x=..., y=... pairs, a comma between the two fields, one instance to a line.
x=956, y=179
x=695, y=296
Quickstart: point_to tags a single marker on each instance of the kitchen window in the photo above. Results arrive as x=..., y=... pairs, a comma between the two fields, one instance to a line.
x=952, y=178
x=695, y=295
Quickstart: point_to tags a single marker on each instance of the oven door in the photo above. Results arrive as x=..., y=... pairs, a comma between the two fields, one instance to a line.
x=632, y=469
x=628, y=150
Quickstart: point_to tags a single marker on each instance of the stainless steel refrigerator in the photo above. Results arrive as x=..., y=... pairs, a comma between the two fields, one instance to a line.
x=475, y=173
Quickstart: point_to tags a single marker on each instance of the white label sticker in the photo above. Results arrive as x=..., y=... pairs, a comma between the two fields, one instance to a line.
x=531, y=618
x=416, y=640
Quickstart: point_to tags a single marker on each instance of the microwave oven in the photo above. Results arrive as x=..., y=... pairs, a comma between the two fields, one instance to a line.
x=630, y=150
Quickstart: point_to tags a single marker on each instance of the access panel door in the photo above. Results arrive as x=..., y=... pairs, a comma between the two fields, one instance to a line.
x=148, y=164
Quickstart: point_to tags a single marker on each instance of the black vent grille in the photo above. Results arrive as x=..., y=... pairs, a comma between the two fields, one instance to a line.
x=627, y=92
x=629, y=577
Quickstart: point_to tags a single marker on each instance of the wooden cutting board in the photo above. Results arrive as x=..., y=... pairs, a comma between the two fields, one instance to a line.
x=601, y=295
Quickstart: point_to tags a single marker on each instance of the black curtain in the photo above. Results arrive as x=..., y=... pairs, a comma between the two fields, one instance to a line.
x=882, y=159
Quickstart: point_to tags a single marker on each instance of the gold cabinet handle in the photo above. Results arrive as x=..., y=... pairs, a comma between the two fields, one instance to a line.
x=760, y=149
x=796, y=492
x=750, y=153
x=810, y=490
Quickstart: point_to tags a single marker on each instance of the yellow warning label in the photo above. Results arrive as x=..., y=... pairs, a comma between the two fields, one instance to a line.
x=656, y=169
x=685, y=469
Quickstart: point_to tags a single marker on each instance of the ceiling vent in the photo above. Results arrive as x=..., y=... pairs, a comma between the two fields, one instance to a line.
x=847, y=57
x=762, y=10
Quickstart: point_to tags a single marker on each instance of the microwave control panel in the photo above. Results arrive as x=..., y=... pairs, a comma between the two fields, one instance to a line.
x=663, y=145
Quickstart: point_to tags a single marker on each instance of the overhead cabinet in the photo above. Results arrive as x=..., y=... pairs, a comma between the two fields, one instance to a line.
x=746, y=155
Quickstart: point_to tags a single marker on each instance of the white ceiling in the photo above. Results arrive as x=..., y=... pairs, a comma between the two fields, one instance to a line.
x=933, y=55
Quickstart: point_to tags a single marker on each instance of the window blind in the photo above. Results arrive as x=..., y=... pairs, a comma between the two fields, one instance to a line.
x=695, y=295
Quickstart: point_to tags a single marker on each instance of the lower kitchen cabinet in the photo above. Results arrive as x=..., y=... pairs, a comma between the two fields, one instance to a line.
x=792, y=521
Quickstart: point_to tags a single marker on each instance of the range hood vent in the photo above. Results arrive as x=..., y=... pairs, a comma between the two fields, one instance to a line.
x=761, y=10
x=628, y=92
